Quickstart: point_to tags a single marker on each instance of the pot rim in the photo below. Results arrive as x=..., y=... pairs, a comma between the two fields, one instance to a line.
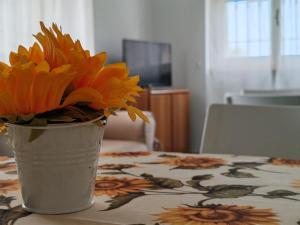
x=55, y=126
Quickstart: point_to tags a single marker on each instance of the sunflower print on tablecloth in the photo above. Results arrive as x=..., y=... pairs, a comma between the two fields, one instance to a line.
x=192, y=162
x=113, y=186
x=126, y=154
x=4, y=158
x=296, y=184
x=285, y=162
x=218, y=215
x=7, y=167
x=116, y=166
x=8, y=185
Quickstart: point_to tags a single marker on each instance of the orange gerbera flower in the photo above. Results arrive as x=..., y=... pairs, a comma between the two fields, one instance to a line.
x=192, y=162
x=61, y=73
x=32, y=88
x=113, y=186
x=33, y=54
x=218, y=215
x=8, y=185
x=104, y=87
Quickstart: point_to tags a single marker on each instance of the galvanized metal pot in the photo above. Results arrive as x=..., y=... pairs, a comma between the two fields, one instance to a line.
x=57, y=169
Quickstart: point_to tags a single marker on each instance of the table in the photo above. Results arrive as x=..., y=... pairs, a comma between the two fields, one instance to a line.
x=136, y=188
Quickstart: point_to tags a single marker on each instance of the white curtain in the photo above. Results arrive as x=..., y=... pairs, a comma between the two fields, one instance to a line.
x=19, y=19
x=289, y=60
x=253, y=44
x=238, y=58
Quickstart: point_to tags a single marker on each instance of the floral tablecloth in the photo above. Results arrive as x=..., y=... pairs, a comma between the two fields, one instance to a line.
x=136, y=188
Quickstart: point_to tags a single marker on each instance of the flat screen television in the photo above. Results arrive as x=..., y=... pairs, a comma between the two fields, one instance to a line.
x=150, y=60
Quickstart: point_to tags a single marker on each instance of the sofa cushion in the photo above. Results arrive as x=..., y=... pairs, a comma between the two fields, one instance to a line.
x=121, y=145
x=121, y=127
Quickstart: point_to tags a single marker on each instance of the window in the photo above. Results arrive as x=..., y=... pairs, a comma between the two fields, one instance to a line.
x=250, y=27
x=290, y=27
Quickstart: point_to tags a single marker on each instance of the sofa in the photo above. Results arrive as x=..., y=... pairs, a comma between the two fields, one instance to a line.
x=122, y=134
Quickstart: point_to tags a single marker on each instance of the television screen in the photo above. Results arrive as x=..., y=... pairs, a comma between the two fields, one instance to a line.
x=152, y=61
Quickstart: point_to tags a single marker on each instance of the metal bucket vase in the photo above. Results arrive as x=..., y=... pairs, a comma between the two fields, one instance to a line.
x=57, y=170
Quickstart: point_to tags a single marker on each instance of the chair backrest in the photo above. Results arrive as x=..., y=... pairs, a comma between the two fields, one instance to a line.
x=121, y=127
x=252, y=130
x=271, y=91
x=263, y=99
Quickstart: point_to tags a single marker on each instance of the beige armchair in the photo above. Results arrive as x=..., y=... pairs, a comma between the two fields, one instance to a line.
x=121, y=134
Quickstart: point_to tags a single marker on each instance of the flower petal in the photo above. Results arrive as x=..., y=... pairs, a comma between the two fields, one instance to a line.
x=88, y=95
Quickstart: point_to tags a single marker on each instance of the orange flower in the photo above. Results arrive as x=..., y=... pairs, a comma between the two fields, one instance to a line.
x=61, y=73
x=126, y=154
x=113, y=186
x=296, y=184
x=218, y=215
x=285, y=162
x=8, y=185
x=31, y=88
x=191, y=162
x=104, y=87
x=34, y=54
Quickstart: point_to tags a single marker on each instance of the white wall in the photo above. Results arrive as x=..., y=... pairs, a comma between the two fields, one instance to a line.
x=179, y=22
x=118, y=19
x=182, y=23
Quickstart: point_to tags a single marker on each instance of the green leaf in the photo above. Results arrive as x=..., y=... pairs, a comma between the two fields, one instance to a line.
x=26, y=118
x=237, y=174
x=202, y=177
x=250, y=165
x=13, y=172
x=229, y=191
x=61, y=119
x=196, y=184
x=167, y=156
x=113, y=173
x=10, y=216
x=4, y=165
x=11, y=119
x=121, y=200
x=150, y=163
x=280, y=194
x=162, y=182
x=35, y=134
x=39, y=122
x=5, y=201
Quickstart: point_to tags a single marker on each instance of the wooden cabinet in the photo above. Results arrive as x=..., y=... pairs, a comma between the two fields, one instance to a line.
x=180, y=119
x=170, y=108
x=161, y=107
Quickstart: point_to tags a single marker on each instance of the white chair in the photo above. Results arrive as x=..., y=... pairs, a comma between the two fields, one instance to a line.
x=263, y=99
x=252, y=130
x=271, y=91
